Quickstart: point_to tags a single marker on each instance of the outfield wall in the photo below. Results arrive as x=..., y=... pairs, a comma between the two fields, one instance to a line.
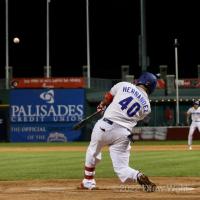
x=163, y=133
x=33, y=131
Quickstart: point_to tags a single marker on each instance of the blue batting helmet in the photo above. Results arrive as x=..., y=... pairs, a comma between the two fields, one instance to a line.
x=149, y=80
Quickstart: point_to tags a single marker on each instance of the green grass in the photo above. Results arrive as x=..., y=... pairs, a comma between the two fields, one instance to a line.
x=49, y=144
x=165, y=142
x=168, y=163
x=42, y=144
x=48, y=165
x=64, y=165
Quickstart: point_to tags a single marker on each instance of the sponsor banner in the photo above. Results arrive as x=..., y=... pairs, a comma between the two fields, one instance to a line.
x=182, y=83
x=43, y=132
x=150, y=133
x=189, y=83
x=35, y=111
x=163, y=133
x=161, y=84
x=68, y=82
x=59, y=105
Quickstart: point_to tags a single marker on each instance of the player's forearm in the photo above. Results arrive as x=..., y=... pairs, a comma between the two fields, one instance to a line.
x=105, y=101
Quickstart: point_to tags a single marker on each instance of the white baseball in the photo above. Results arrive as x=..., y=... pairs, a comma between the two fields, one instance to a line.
x=16, y=40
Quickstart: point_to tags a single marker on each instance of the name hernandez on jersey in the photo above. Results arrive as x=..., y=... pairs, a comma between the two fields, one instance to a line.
x=130, y=105
x=138, y=95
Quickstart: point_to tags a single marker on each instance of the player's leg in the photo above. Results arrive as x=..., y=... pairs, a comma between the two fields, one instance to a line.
x=120, y=161
x=190, y=136
x=120, y=153
x=93, y=156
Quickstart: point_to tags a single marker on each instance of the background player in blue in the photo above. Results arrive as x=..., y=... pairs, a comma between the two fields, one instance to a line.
x=124, y=105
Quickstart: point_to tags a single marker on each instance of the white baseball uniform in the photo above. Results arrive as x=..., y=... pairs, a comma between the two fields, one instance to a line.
x=130, y=104
x=195, y=117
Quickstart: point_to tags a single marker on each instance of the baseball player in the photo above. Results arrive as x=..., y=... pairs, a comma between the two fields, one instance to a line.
x=194, y=114
x=124, y=105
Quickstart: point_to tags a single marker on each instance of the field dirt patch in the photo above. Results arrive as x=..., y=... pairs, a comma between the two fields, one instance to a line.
x=109, y=189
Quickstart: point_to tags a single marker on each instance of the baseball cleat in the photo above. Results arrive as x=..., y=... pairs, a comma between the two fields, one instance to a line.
x=82, y=187
x=190, y=147
x=88, y=184
x=146, y=183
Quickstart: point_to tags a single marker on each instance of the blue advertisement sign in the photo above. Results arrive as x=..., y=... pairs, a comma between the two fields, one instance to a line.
x=45, y=114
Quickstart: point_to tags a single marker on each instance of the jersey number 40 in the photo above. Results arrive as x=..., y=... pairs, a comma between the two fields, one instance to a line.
x=133, y=109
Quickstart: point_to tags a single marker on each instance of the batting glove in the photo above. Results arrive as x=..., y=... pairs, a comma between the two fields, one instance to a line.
x=101, y=107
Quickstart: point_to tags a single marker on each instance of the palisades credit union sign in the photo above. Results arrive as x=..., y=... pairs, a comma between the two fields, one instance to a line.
x=45, y=114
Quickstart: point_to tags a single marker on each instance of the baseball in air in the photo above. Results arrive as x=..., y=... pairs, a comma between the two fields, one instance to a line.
x=16, y=40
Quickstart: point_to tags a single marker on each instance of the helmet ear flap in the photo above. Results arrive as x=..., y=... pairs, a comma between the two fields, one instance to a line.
x=148, y=86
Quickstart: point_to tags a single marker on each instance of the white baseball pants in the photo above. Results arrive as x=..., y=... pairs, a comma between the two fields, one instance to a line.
x=114, y=136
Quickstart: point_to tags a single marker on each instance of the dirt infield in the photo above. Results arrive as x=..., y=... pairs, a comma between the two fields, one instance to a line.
x=112, y=189
x=169, y=188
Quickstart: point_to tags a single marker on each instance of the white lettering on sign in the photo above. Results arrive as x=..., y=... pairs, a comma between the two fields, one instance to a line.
x=41, y=113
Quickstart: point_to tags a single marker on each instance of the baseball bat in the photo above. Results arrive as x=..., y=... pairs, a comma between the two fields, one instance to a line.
x=84, y=121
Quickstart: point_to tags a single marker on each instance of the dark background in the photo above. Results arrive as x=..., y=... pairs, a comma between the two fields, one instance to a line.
x=114, y=32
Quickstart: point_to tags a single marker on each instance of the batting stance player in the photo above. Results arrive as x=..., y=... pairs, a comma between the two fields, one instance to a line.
x=194, y=113
x=125, y=105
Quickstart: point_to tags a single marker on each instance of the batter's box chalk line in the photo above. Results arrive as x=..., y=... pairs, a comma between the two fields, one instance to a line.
x=47, y=189
x=123, y=188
